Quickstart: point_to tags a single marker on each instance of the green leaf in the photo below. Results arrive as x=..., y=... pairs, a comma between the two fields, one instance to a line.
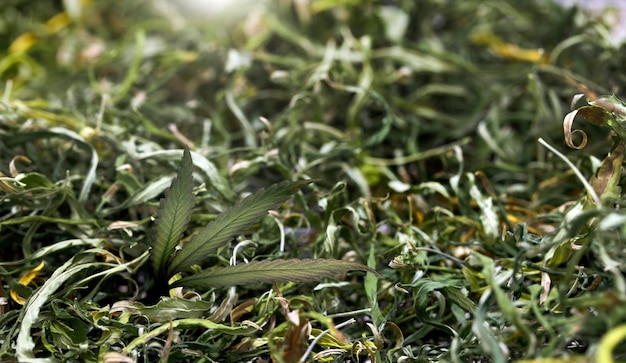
x=371, y=288
x=231, y=223
x=175, y=308
x=13, y=139
x=173, y=215
x=204, y=324
x=507, y=307
x=145, y=194
x=201, y=162
x=24, y=345
x=256, y=272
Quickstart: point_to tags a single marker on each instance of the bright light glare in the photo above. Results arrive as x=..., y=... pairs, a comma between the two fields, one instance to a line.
x=215, y=7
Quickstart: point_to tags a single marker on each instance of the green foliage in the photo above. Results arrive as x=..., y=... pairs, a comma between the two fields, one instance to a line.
x=175, y=213
x=269, y=271
x=230, y=224
x=173, y=216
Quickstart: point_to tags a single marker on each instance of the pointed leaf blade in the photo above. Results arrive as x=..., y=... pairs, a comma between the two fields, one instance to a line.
x=231, y=223
x=256, y=272
x=173, y=215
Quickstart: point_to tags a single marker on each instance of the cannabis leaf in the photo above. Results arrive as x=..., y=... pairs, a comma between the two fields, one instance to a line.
x=173, y=215
x=231, y=223
x=270, y=271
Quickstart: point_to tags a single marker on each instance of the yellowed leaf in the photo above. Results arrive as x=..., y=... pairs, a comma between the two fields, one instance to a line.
x=26, y=279
x=23, y=43
x=57, y=22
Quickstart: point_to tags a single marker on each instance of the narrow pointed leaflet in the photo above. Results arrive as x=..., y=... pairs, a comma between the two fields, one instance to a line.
x=173, y=215
x=256, y=272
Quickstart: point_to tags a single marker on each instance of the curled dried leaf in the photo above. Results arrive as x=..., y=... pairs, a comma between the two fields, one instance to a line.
x=598, y=116
x=13, y=169
x=568, y=121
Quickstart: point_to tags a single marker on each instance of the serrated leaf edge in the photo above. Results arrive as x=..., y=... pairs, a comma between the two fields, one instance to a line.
x=294, y=270
x=173, y=215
